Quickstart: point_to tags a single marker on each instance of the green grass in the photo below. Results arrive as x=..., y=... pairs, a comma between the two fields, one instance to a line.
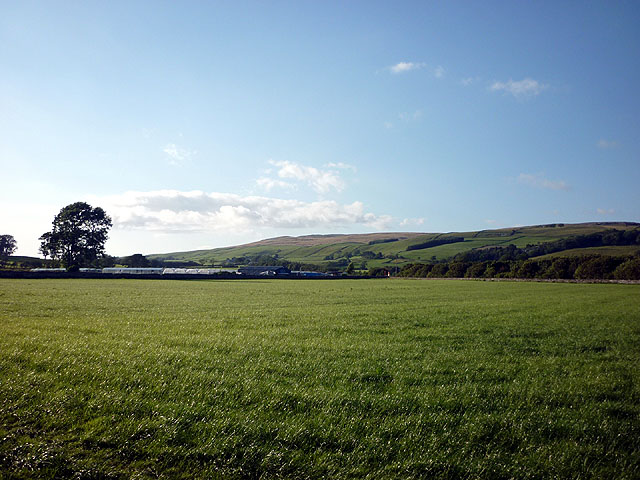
x=318, y=379
x=442, y=252
x=615, y=251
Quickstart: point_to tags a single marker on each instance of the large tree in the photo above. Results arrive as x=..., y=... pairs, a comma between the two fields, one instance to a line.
x=78, y=235
x=8, y=246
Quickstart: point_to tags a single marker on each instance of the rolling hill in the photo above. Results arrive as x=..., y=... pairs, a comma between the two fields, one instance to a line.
x=391, y=249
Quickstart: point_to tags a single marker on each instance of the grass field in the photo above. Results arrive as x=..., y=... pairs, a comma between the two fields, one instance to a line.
x=617, y=251
x=386, y=378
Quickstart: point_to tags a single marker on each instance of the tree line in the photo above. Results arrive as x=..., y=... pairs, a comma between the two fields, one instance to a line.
x=436, y=242
x=610, y=238
x=585, y=267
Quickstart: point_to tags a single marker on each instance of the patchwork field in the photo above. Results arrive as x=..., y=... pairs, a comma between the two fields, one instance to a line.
x=393, y=249
x=609, y=251
x=390, y=378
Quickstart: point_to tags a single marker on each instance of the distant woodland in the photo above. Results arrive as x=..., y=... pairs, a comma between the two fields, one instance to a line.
x=513, y=262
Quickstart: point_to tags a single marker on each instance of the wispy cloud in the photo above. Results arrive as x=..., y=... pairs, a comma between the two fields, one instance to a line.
x=407, y=116
x=467, y=81
x=539, y=181
x=407, y=222
x=527, y=87
x=178, y=155
x=321, y=181
x=403, y=67
x=605, y=211
x=173, y=211
x=269, y=184
x=439, y=71
x=341, y=166
x=606, y=144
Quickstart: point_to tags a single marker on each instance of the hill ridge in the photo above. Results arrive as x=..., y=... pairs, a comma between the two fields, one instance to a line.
x=387, y=249
x=326, y=239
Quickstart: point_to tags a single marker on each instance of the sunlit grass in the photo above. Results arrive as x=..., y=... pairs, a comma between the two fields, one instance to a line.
x=311, y=379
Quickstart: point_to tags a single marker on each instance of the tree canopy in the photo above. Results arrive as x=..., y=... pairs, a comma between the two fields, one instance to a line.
x=78, y=235
x=8, y=246
x=137, y=260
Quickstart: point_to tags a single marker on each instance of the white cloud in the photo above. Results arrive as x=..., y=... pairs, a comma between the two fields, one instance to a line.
x=173, y=211
x=539, y=181
x=605, y=211
x=322, y=181
x=527, y=87
x=604, y=144
x=465, y=82
x=403, y=67
x=341, y=166
x=412, y=222
x=439, y=71
x=269, y=183
x=388, y=125
x=178, y=155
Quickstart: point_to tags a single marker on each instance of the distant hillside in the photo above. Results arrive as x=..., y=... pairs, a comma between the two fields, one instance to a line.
x=389, y=249
x=23, y=262
x=313, y=240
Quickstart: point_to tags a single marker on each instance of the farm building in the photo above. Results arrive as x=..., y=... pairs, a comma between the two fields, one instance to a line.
x=303, y=273
x=264, y=270
x=133, y=271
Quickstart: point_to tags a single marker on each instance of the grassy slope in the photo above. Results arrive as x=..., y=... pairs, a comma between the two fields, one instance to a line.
x=19, y=258
x=616, y=251
x=310, y=379
x=315, y=254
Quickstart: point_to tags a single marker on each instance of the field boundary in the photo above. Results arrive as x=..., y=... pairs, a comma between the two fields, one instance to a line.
x=535, y=280
x=169, y=276
x=230, y=276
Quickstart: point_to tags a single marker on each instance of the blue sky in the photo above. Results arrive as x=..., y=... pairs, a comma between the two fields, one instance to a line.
x=206, y=124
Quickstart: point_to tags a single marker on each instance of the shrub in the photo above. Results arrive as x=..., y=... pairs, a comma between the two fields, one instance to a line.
x=497, y=269
x=528, y=269
x=457, y=269
x=629, y=270
x=562, y=267
x=377, y=272
x=599, y=267
x=476, y=270
x=439, y=270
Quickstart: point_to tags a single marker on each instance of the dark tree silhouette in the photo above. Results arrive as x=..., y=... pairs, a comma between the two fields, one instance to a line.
x=78, y=235
x=8, y=245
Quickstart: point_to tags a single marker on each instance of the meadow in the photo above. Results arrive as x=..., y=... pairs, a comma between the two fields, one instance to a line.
x=388, y=378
